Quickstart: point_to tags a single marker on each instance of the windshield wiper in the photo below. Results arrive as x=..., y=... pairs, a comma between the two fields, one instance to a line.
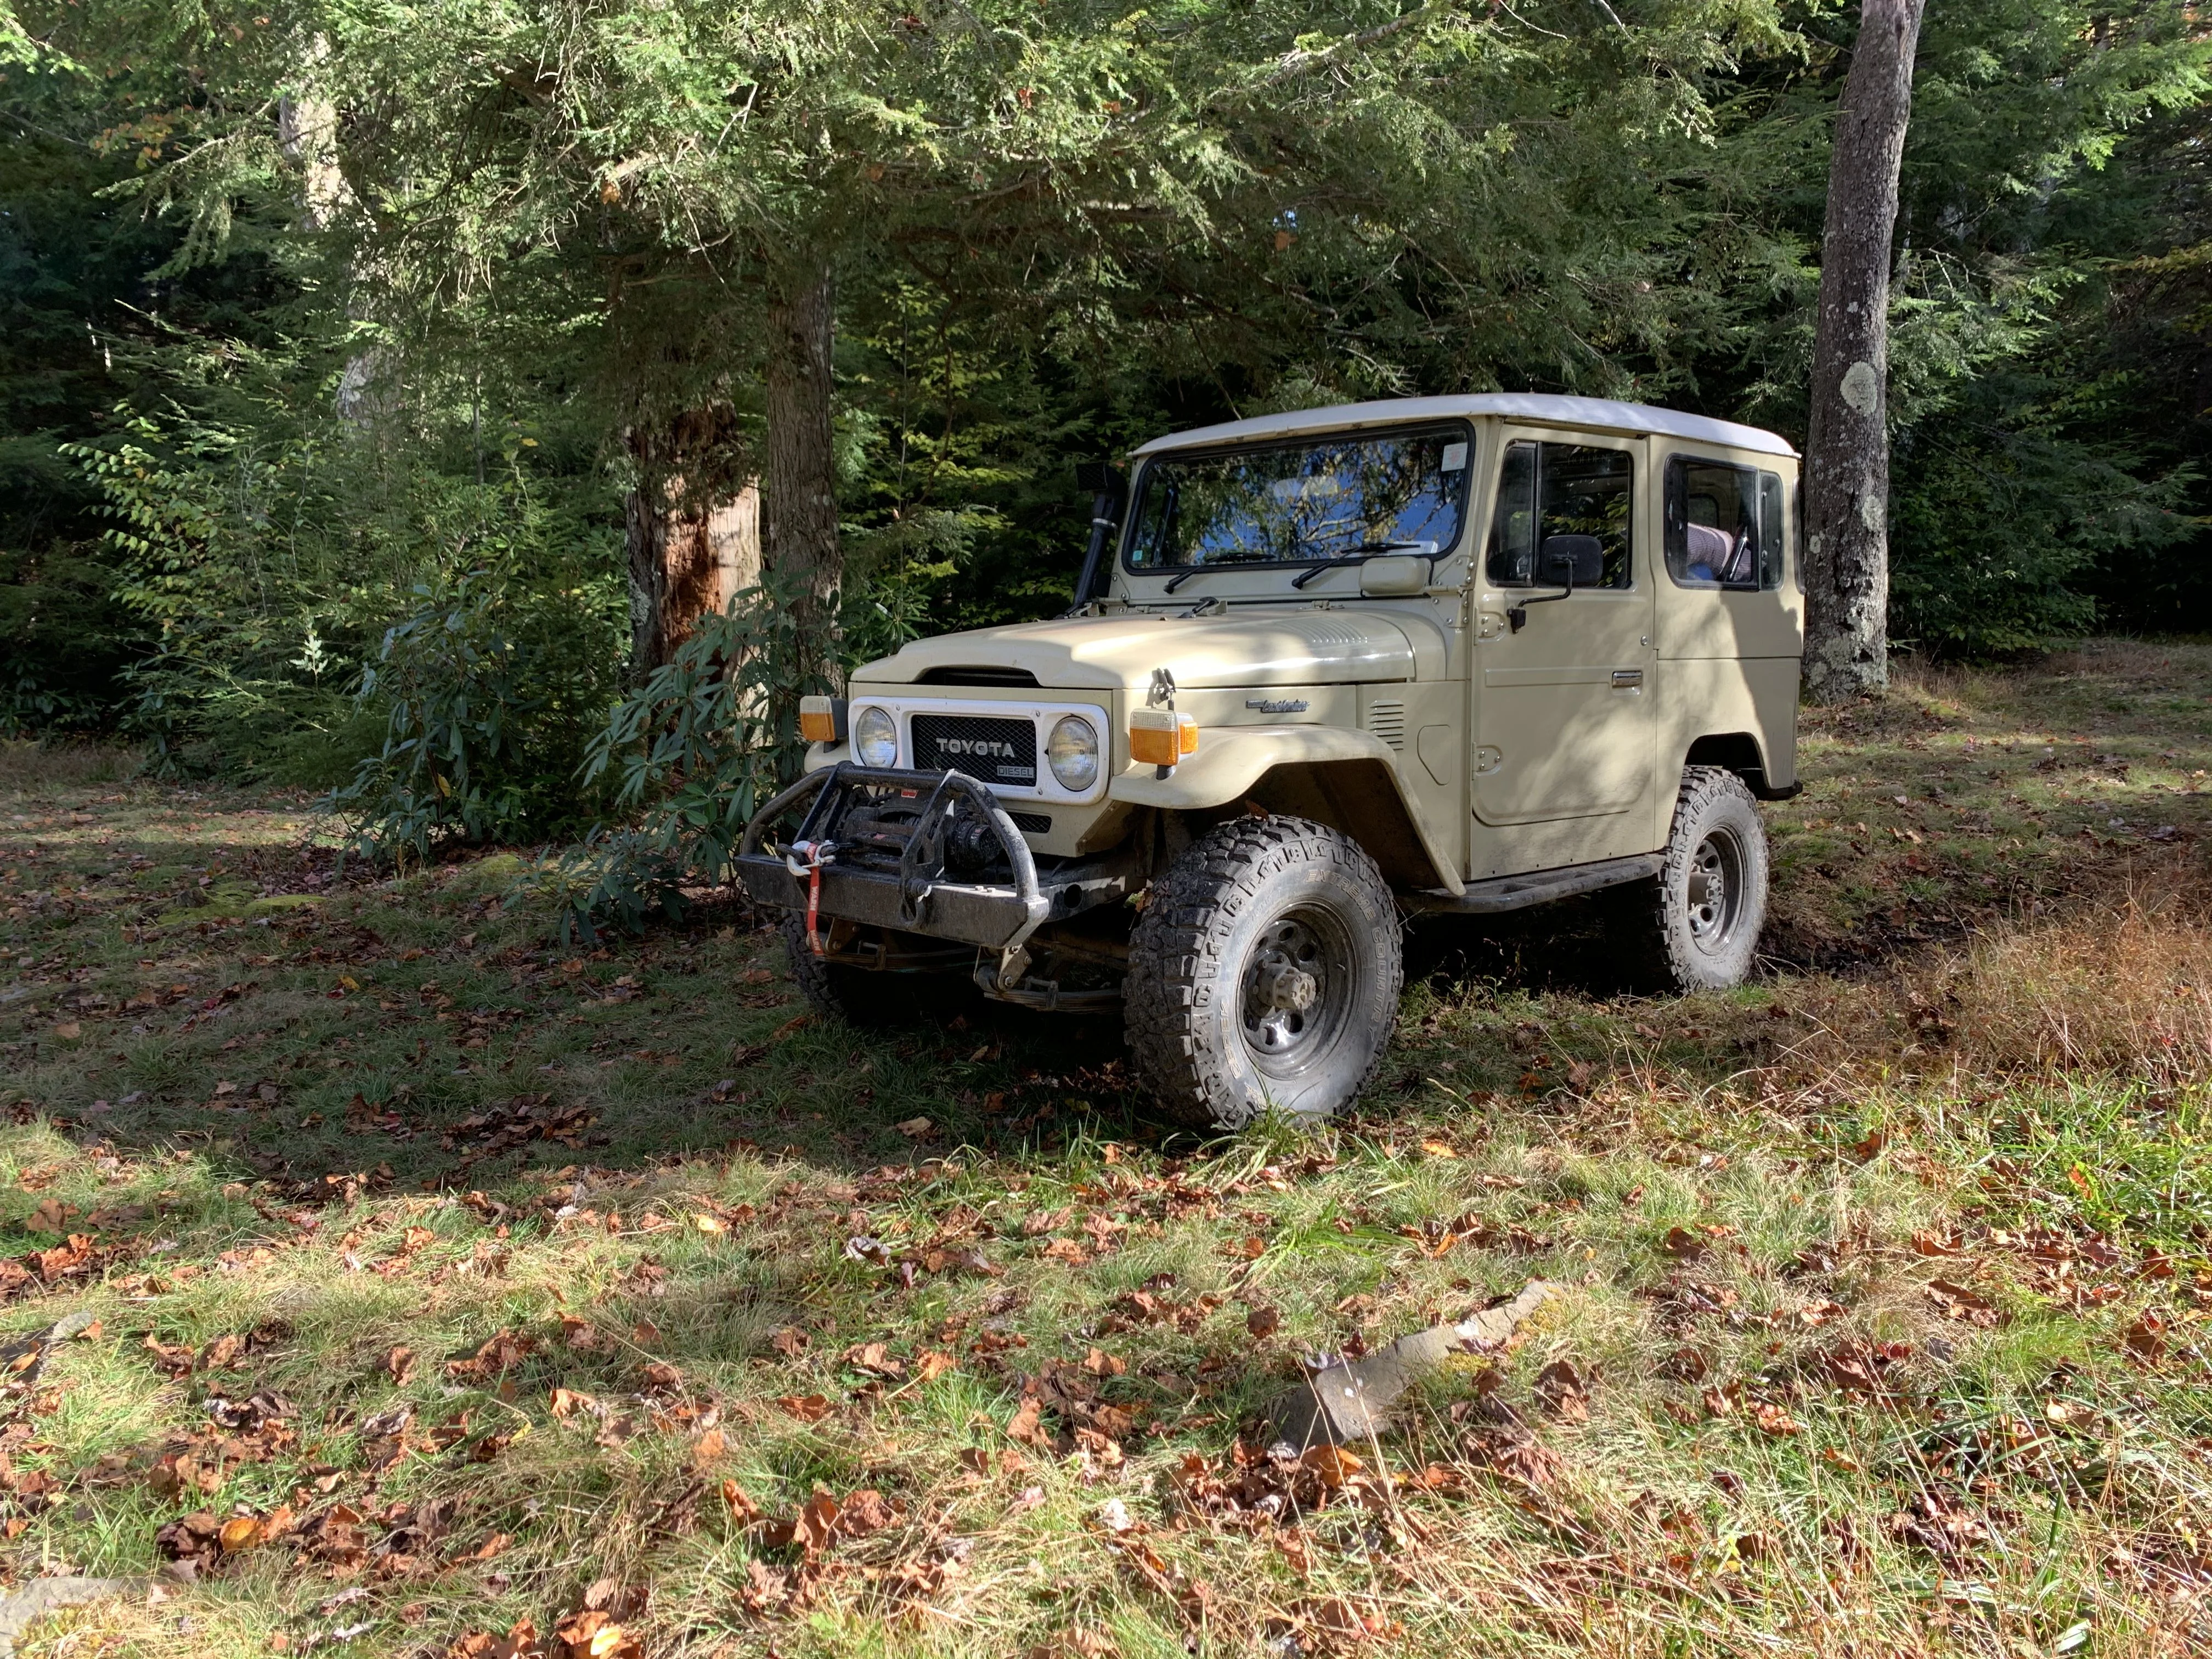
x=1360, y=555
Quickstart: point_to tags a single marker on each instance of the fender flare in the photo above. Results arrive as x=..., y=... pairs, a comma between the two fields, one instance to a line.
x=1236, y=763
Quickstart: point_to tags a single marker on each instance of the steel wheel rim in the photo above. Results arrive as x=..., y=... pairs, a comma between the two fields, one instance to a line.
x=1712, y=897
x=1294, y=987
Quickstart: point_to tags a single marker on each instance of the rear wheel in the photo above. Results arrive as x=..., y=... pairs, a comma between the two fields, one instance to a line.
x=878, y=999
x=1264, y=971
x=1698, y=924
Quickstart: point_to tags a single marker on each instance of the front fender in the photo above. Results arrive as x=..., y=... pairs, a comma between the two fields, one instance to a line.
x=1233, y=762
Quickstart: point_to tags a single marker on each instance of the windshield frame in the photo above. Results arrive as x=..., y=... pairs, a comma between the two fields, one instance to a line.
x=1458, y=428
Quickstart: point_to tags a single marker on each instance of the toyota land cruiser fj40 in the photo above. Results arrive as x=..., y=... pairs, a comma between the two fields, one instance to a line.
x=1324, y=669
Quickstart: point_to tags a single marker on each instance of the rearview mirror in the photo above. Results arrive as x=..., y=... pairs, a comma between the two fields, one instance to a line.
x=1571, y=561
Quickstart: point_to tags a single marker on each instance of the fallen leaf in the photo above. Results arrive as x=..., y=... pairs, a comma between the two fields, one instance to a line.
x=915, y=1128
x=1564, y=1392
x=69, y=1030
x=240, y=1532
x=566, y=1402
x=1332, y=1464
x=2146, y=1338
x=1026, y=1424
x=1263, y=1322
x=399, y=1364
x=807, y=1408
x=813, y=1530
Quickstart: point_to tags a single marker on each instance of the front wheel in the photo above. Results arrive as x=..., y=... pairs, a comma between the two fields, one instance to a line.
x=1264, y=972
x=1699, y=920
x=873, y=999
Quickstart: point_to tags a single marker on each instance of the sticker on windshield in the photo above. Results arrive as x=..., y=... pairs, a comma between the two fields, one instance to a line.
x=1454, y=458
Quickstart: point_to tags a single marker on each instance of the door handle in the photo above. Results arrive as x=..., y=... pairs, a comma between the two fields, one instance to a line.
x=1628, y=679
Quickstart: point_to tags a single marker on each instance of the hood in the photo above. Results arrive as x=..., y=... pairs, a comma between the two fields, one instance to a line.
x=1274, y=648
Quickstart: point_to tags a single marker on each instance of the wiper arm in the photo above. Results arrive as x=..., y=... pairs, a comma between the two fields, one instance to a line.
x=1360, y=555
x=1174, y=583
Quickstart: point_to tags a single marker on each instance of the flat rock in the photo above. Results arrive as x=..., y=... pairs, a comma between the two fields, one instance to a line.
x=30, y=1602
x=1350, y=1401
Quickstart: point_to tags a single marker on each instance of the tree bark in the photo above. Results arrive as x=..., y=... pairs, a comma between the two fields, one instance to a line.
x=1846, y=553
x=799, y=515
x=693, y=534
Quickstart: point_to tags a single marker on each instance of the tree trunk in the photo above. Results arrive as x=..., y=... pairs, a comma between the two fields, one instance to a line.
x=307, y=134
x=799, y=515
x=694, y=541
x=1846, y=553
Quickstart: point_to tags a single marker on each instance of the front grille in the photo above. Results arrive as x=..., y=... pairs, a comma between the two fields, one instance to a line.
x=1001, y=751
x=1037, y=824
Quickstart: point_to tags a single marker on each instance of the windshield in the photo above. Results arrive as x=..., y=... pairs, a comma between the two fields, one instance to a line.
x=1303, y=502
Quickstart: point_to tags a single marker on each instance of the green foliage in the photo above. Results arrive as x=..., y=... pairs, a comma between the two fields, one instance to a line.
x=693, y=753
x=509, y=241
x=494, y=686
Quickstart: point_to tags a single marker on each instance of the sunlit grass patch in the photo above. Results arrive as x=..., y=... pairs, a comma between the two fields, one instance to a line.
x=1884, y=1281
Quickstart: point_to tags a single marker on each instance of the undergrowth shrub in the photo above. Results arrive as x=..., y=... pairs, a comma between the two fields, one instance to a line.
x=494, y=690
x=263, y=562
x=698, y=748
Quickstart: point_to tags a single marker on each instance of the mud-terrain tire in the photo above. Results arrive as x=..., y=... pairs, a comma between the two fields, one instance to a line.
x=865, y=997
x=1264, y=970
x=1696, y=926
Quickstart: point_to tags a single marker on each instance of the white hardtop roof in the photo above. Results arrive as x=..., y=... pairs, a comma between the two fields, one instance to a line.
x=1602, y=414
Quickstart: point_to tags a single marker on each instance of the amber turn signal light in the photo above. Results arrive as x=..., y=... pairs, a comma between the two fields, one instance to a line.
x=822, y=720
x=1160, y=737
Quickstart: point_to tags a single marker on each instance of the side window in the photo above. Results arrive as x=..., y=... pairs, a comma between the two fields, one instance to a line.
x=1724, y=524
x=1772, y=538
x=1558, y=501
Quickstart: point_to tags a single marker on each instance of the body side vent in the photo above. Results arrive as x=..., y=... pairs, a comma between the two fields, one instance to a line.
x=1387, y=720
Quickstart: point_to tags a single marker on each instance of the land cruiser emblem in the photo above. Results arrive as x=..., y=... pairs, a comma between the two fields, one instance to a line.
x=979, y=746
x=1279, y=705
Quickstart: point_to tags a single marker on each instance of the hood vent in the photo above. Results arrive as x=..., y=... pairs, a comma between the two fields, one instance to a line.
x=1387, y=720
x=983, y=675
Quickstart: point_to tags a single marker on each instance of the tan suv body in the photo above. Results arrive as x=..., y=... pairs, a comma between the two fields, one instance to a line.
x=1492, y=641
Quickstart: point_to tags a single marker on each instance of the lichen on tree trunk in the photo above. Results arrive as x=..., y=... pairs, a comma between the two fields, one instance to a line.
x=1846, y=552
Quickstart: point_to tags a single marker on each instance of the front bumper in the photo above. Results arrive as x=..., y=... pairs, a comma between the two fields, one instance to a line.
x=890, y=870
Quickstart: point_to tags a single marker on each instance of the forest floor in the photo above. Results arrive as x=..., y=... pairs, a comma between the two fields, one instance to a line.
x=380, y=1278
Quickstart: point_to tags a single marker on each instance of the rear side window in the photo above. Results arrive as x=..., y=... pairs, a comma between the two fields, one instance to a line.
x=1724, y=525
x=1550, y=491
x=1773, y=520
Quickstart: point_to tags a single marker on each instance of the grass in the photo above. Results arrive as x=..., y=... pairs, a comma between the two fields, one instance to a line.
x=506, y=1298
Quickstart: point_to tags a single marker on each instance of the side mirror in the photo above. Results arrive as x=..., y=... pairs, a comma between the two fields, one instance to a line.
x=1394, y=575
x=1571, y=561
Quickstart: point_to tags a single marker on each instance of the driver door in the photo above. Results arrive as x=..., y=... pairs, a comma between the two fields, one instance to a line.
x=1563, y=720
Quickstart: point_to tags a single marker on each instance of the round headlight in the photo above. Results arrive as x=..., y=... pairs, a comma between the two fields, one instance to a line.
x=875, y=737
x=1073, y=752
